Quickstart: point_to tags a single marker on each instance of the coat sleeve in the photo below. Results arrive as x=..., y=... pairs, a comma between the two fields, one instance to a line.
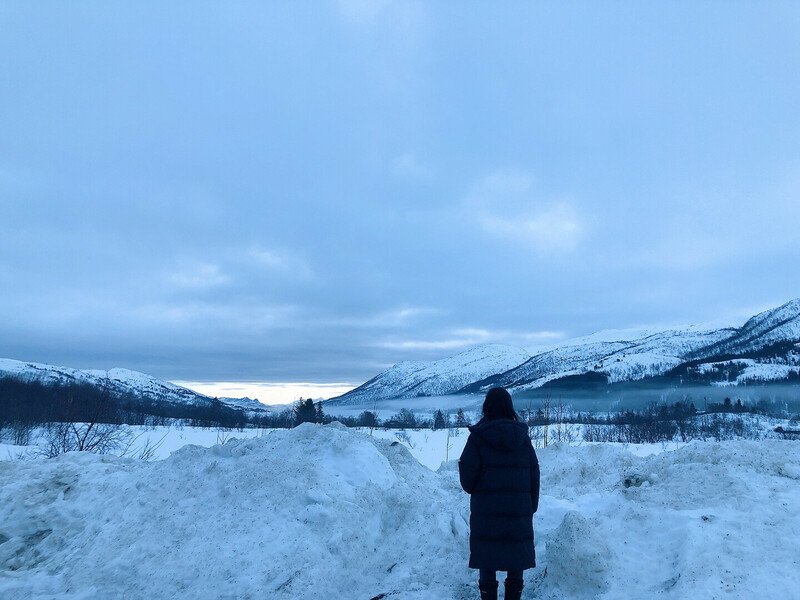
x=469, y=465
x=534, y=480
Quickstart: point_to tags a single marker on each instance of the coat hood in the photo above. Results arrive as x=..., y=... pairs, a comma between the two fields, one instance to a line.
x=502, y=434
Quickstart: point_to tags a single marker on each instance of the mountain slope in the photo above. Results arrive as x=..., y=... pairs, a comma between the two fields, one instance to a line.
x=613, y=361
x=436, y=378
x=775, y=326
x=770, y=341
x=118, y=382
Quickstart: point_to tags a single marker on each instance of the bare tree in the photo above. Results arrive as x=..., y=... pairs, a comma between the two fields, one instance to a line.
x=21, y=433
x=546, y=418
x=448, y=444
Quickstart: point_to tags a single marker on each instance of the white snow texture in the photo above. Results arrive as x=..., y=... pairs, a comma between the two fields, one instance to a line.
x=326, y=512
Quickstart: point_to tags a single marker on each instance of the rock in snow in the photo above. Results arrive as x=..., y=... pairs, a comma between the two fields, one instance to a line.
x=326, y=512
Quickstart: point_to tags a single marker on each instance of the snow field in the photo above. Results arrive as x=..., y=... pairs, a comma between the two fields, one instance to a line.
x=326, y=512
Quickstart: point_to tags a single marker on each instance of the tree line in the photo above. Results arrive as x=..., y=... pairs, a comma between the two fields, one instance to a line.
x=27, y=405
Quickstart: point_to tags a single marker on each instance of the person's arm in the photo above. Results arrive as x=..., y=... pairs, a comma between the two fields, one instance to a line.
x=469, y=465
x=534, y=480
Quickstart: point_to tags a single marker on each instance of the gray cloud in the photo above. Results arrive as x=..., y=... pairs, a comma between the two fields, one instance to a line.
x=264, y=192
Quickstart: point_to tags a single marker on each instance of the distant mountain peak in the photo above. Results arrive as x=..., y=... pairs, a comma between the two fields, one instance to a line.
x=119, y=381
x=612, y=355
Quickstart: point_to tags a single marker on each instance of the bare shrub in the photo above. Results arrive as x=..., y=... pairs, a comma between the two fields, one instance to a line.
x=146, y=451
x=100, y=438
x=21, y=433
x=403, y=436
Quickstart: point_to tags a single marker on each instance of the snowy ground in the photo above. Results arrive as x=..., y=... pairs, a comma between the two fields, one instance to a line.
x=431, y=448
x=326, y=512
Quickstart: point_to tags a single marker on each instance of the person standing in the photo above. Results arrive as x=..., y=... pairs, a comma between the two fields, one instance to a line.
x=500, y=471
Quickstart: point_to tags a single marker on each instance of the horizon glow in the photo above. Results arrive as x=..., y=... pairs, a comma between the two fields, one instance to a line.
x=269, y=393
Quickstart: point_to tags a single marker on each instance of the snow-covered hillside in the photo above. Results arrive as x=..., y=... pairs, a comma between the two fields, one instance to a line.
x=773, y=326
x=608, y=356
x=436, y=378
x=325, y=512
x=116, y=381
x=623, y=360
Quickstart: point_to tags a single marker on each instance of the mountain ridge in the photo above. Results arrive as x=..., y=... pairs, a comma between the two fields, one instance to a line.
x=669, y=353
x=118, y=381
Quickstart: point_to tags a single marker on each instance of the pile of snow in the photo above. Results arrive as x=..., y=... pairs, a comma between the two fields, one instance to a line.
x=312, y=512
x=326, y=512
x=708, y=520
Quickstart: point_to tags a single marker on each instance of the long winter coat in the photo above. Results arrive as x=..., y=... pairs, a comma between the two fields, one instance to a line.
x=500, y=471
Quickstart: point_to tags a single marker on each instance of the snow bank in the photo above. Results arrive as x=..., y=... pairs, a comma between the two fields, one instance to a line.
x=708, y=520
x=312, y=512
x=325, y=512
x=579, y=556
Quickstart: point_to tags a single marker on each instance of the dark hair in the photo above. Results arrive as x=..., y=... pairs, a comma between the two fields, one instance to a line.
x=498, y=405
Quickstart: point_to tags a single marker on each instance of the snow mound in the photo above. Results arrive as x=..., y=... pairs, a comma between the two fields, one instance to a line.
x=312, y=512
x=679, y=524
x=578, y=557
x=327, y=512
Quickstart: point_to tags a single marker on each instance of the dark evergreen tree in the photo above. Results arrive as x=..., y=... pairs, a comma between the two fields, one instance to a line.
x=305, y=412
x=367, y=419
x=439, y=420
x=461, y=419
x=320, y=416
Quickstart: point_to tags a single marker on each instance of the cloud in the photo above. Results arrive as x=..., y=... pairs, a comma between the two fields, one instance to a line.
x=408, y=166
x=505, y=205
x=500, y=184
x=276, y=261
x=361, y=12
x=462, y=338
x=17, y=181
x=198, y=276
x=556, y=229
x=700, y=231
x=235, y=316
x=428, y=344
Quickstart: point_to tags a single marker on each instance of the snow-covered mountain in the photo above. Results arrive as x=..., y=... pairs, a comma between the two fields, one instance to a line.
x=118, y=382
x=769, y=343
x=437, y=378
x=248, y=404
x=608, y=361
x=775, y=326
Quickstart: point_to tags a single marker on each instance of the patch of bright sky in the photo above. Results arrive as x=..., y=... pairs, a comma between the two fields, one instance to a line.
x=268, y=393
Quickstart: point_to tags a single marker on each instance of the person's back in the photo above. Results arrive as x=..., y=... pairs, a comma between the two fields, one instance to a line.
x=500, y=471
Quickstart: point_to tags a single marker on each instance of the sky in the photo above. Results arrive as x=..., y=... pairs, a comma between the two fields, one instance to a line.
x=296, y=195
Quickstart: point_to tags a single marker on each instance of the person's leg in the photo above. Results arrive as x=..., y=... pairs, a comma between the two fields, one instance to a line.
x=487, y=584
x=487, y=575
x=513, y=585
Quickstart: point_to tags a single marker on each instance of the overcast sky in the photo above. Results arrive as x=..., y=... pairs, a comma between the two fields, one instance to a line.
x=311, y=191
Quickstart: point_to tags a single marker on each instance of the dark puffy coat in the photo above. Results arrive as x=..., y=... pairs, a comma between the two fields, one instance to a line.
x=500, y=471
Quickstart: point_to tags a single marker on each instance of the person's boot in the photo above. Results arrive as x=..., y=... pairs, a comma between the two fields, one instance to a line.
x=513, y=589
x=488, y=590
